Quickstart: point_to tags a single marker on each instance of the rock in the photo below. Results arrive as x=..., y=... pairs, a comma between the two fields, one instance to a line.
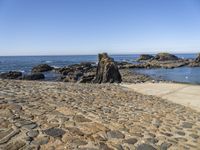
x=187, y=125
x=145, y=57
x=80, y=118
x=41, y=140
x=15, y=145
x=35, y=76
x=6, y=136
x=197, y=60
x=130, y=141
x=165, y=57
x=11, y=75
x=32, y=133
x=145, y=147
x=103, y=146
x=194, y=136
x=165, y=146
x=86, y=79
x=70, y=78
x=54, y=132
x=75, y=131
x=41, y=68
x=107, y=70
x=115, y=134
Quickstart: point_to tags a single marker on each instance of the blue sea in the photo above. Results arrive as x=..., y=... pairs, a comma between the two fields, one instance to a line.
x=26, y=63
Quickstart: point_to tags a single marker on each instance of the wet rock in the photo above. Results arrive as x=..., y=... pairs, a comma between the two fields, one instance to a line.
x=145, y=57
x=35, y=76
x=11, y=75
x=107, y=70
x=54, y=132
x=41, y=68
x=145, y=147
x=165, y=57
x=115, y=134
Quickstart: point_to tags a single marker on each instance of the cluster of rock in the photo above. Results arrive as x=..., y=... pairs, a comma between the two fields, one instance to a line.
x=162, y=60
x=106, y=72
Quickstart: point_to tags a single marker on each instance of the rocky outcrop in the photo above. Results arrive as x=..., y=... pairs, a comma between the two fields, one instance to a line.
x=41, y=68
x=107, y=70
x=197, y=60
x=165, y=57
x=145, y=57
x=35, y=76
x=11, y=75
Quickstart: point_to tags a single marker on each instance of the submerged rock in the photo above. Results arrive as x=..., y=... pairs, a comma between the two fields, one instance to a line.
x=35, y=76
x=144, y=57
x=42, y=68
x=165, y=57
x=11, y=75
x=107, y=70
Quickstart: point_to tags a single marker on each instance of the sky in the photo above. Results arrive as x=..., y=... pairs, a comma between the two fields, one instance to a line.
x=72, y=27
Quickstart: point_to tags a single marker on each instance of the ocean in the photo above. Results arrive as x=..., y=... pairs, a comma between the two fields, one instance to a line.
x=26, y=63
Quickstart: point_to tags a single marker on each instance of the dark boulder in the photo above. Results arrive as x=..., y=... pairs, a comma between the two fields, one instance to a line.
x=87, y=78
x=42, y=68
x=145, y=57
x=11, y=75
x=165, y=57
x=107, y=70
x=35, y=76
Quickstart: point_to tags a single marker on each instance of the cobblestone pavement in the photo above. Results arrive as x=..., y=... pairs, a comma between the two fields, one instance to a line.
x=53, y=115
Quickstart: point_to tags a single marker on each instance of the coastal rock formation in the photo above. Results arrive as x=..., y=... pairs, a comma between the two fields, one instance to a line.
x=11, y=75
x=197, y=60
x=42, y=68
x=165, y=57
x=107, y=70
x=145, y=57
x=35, y=76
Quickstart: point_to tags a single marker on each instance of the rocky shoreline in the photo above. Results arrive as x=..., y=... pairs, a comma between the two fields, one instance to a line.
x=87, y=72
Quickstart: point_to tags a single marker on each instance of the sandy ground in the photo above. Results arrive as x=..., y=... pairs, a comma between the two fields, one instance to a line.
x=184, y=94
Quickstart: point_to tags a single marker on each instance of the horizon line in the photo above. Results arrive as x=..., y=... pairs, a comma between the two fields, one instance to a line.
x=151, y=53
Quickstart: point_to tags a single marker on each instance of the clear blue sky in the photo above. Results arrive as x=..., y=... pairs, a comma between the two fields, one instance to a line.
x=41, y=27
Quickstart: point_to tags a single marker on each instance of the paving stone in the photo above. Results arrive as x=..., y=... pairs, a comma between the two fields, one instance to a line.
x=54, y=132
